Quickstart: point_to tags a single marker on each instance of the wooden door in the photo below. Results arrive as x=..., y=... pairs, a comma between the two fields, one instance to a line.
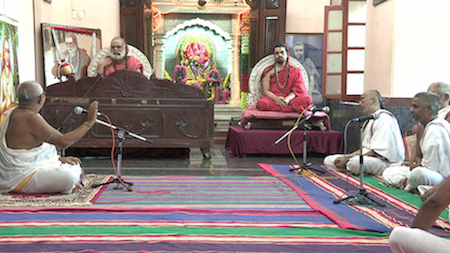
x=136, y=24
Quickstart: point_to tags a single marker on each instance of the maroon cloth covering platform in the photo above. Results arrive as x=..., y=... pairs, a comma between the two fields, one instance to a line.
x=259, y=141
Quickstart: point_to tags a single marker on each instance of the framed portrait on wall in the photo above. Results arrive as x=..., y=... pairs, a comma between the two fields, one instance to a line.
x=9, y=77
x=64, y=45
x=308, y=50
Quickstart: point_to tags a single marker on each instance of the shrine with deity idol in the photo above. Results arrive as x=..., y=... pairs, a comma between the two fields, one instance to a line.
x=200, y=46
x=196, y=65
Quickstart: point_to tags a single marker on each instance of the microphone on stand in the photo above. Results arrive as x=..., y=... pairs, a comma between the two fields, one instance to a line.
x=325, y=109
x=364, y=118
x=80, y=110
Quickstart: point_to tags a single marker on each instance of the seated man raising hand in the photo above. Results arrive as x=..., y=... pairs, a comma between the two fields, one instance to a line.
x=28, y=159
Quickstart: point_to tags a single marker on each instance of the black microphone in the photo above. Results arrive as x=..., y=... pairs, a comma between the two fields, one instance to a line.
x=364, y=118
x=325, y=109
x=80, y=110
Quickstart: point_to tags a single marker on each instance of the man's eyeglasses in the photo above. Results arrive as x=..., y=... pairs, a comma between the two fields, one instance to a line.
x=364, y=99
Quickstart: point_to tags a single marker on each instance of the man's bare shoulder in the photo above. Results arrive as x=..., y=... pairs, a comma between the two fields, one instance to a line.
x=29, y=127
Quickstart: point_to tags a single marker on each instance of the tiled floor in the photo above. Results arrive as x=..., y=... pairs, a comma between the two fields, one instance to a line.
x=221, y=164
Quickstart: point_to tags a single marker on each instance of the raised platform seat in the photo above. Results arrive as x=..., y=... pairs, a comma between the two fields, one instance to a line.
x=259, y=141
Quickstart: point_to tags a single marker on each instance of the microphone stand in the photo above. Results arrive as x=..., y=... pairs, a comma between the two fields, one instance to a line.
x=120, y=135
x=362, y=197
x=61, y=127
x=305, y=165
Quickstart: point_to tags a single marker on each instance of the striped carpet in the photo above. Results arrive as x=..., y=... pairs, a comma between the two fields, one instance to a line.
x=200, y=214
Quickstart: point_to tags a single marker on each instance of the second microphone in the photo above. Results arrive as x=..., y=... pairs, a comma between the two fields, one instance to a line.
x=80, y=110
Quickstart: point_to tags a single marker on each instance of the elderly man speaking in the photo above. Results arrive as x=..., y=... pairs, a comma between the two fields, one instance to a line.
x=382, y=141
x=29, y=162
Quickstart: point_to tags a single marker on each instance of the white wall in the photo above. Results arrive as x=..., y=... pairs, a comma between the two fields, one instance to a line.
x=305, y=16
x=26, y=55
x=9, y=12
x=379, y=58
x=407, y=46
x=421, y=48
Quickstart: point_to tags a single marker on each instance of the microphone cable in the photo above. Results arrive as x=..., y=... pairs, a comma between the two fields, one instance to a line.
x=148, y=193
x=291, y=151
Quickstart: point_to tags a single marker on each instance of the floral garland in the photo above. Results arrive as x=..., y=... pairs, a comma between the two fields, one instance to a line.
x=175, y=73
x=245, y=49
x=198, y=85
x=220, y=97
x=211, y=79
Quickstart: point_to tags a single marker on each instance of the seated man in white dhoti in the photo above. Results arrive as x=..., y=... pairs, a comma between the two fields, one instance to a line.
x=28, y=159
x=382, y=141
x=430, y=166
x=442, y=90
x=417, y=239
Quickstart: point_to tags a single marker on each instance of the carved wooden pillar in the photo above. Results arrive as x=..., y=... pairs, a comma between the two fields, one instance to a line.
x=268, y=27
x=136, y=25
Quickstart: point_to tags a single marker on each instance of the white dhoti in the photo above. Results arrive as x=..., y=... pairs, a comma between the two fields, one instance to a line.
x=40, y=164
x=372, y=165
x=435, y=148
x=382, y=137
x=416, y=240
x=58, y=179
x=396, y=176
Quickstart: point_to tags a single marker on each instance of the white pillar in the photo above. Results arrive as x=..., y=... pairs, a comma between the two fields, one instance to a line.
x=159, y=55
x=235, y=82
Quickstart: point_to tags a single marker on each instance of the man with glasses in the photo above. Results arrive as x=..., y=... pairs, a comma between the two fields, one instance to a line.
x=28, y=159
x=382, y=142
x=119, y=59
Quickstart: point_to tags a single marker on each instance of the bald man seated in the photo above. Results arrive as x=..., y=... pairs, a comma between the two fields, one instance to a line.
x=29, y=162
x=382, y=142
